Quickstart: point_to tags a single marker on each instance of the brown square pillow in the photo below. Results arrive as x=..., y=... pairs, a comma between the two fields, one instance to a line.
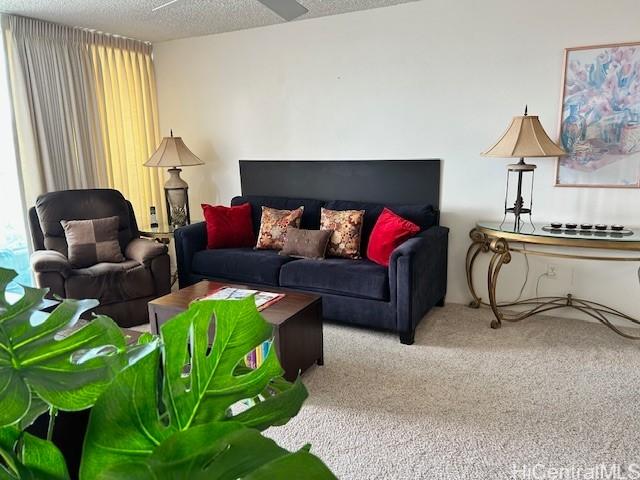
x=347, y=231
x=306, y=243
x=92, y=241
x=274, y=224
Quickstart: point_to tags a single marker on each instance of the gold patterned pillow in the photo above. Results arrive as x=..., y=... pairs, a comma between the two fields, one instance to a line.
x=347, y=231
x=274, y=224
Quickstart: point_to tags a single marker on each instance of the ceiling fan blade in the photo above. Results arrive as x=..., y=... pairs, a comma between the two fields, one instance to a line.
x=166, y=4
x=287, y=9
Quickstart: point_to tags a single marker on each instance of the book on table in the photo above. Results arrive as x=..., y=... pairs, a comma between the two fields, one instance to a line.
x=263, y=300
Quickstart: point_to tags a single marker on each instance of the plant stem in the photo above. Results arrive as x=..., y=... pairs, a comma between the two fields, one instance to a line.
x=8, y=460
x=52, y=420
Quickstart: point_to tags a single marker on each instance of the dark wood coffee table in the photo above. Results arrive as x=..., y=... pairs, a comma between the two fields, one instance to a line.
x=296, y=318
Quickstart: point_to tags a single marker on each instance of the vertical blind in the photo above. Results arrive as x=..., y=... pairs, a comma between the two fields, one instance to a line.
x=128, y=112
x=85, y=111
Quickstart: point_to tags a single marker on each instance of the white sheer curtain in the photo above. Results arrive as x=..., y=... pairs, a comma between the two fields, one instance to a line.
x=55, y=108
x=85, y=111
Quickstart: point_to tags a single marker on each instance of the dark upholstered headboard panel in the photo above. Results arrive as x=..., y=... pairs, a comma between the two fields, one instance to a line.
x=378, y=181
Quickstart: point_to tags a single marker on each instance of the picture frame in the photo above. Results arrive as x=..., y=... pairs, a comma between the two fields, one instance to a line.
x=599, y=124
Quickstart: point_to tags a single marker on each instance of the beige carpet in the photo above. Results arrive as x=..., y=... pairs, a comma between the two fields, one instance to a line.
x=468, y=402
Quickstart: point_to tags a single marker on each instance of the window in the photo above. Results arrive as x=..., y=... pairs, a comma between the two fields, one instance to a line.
x=14, y=250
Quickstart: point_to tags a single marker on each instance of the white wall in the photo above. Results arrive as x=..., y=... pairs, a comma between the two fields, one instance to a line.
x=430, y=79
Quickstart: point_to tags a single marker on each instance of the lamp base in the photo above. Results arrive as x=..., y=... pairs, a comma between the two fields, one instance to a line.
x=174, y=180
x=177, y=197
x=519, y=208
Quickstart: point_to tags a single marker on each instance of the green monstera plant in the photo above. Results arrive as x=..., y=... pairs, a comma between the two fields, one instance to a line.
x=180, y=405
x=43, y=369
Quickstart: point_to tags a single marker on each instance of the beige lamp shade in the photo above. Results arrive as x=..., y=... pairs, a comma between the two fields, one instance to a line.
x=525, y=137
x=172, y=152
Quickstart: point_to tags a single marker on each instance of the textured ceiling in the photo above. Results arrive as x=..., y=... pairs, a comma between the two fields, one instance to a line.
x=185, y=18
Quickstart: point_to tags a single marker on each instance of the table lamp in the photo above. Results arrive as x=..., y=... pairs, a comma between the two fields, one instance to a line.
x=525, y=137
x=173, y=153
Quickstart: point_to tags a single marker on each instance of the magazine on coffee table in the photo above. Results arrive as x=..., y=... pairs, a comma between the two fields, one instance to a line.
x=263, y=299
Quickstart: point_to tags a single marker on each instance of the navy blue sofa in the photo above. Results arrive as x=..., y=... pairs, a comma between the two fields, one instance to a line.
x=357, y=292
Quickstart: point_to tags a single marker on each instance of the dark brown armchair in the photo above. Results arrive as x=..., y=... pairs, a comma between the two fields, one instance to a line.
x=123, y=289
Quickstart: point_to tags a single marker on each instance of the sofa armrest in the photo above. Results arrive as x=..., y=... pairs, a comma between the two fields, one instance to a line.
x=50, y=261
x=418, y=277
x=143, y=250
x=189, y=240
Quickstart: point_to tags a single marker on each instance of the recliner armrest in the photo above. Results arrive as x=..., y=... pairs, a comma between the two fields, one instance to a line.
x=143, y=250
x=50, y=261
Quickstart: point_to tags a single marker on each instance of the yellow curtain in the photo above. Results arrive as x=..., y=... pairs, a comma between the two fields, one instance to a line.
x=128, y=111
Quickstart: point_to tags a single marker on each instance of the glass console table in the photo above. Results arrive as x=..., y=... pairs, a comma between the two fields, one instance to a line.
x=500, y=241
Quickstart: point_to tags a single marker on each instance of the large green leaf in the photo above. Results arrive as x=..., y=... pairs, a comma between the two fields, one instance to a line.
x=26, y=457
x=67, y=371
x=147, y=412
x=278, y=403
x=221, y=451
x=212, y=386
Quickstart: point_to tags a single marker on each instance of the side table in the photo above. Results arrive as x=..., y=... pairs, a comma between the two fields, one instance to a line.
x=163, y=234
x=500, y=241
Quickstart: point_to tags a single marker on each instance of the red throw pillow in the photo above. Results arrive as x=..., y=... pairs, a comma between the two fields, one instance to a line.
x=229, y=226
x=389, y=231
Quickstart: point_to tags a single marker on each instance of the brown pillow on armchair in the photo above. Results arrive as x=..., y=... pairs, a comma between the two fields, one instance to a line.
x=92, y=241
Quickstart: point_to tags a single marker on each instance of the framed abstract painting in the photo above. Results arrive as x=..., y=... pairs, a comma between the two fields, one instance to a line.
x=600, y=117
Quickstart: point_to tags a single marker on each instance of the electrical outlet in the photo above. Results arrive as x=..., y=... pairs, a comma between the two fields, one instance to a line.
x=552, y=270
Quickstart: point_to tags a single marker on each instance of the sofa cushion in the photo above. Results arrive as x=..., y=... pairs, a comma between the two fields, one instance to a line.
x=422, y=215
x=229, y=227
x=110, y=282
x=346, y=226
x=353, y=278
x=240, y=265
x=310, y=217
x=389, y=231
x=302, y=243
x=273, y=227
